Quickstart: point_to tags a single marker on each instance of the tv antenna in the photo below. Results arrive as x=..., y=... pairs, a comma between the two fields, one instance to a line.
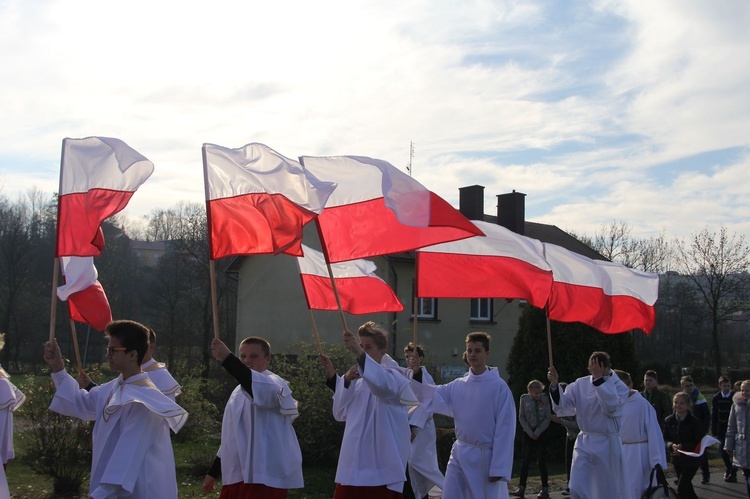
x=411, y=157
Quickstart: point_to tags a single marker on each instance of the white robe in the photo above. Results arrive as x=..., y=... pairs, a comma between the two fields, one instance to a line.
x=424, y=472
x=258, y=443
x=376, y=443
x=11, y=399
x=642, y=444
x=485, y=417
x=596, y=471
x=158, y=373
x=132, y=452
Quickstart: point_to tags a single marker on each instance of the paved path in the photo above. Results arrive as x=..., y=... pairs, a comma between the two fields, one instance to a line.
x=716, y=489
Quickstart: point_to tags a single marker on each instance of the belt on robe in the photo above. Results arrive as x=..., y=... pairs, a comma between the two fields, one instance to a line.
x=635, y=443
x=613, y=439
x=485, y=467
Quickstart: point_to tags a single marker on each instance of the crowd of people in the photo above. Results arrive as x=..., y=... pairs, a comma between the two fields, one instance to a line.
x=615, y=435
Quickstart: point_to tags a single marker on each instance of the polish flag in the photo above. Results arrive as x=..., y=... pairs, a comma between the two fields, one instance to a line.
x=360, y=290
x=84, y=293
x=501, y=264
x=98, y=176
x=706, y=442
x=605, y=295
x=258, y=200
x=378, y=210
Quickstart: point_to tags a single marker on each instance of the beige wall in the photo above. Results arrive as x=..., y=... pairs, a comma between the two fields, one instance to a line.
x=271, y=304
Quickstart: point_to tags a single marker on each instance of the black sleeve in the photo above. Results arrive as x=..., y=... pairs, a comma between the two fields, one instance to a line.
x=417, y=376
x=361, y=361
x=240, y=372
x=215, y=469
x=90, y=386
x=555, y=394
x=331, y=383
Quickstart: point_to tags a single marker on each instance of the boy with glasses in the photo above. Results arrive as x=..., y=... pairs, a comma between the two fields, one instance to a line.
x=132, y=451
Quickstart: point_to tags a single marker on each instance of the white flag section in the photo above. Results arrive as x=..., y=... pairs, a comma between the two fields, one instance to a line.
x=359, y=289
x=605, y=295
x=377, y=210
x=706, y=442
x=258, y=200
x=500, y=264
x=98, y=176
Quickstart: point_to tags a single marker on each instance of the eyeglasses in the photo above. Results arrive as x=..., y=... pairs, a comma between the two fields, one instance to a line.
x=111, y=350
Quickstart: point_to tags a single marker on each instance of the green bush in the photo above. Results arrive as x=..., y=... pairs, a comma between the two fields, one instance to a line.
x=57, y=446
x=318, y=433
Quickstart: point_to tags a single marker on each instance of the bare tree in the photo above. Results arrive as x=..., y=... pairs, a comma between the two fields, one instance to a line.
x=717, y=264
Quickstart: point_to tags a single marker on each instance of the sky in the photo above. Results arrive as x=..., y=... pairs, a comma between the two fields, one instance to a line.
x=597, y=110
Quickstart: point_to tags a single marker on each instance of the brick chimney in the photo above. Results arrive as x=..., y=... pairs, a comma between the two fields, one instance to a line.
x=471, y=202
x=511, y=211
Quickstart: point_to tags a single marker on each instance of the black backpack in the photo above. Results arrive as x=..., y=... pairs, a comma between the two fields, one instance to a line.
x=661, y=490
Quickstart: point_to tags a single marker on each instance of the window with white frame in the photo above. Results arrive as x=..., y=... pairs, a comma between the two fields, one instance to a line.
x=427, y=308
x=481, y=309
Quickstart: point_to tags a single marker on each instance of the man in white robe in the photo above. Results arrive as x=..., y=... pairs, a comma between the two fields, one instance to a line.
x=259, y=454
x=484, y=413
x=132, y=451
x=642, y=441
x=373, y=400
x=597, y=403
x=11, y=398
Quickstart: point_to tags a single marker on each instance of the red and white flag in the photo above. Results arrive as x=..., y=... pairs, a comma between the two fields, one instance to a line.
x=98, y=176
x=500, y=264
x=378, y=210
x=360, y=290
x=605, y=295
x=258, y=200
x=706, y=442
x=84, y=293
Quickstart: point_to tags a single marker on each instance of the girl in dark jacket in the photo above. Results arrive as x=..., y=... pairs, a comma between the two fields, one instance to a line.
x=683, y=431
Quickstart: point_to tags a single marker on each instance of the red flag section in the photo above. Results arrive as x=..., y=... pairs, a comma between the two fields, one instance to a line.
x=607, y=296
x=377, y=209
x=360, y=290
x=501, y=264
x=98, y=176
x=258, y=201
x=84, y=293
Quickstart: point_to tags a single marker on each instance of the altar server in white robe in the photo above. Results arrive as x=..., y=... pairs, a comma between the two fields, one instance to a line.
x=11, y=398
x=642, y=441
x=597, y=403
x=260, y=456
x=373, y=400
x=484, y=413
x=157, y=371
x=132, y=451
x=424, y=473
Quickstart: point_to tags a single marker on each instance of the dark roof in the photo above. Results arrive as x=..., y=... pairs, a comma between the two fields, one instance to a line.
x=554, y=235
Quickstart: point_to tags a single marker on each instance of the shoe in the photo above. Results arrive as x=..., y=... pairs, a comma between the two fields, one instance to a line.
x=544, y=494
x=566, y=492
x=519, y=492
x=706, y=479
x=730, y=477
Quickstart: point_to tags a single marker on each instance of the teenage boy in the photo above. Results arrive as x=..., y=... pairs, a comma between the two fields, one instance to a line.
x=484, y=414
x=657, y=398
x=132, y=451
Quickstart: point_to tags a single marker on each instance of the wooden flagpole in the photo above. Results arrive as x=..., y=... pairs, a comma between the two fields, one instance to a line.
x=75, y=345
x=315, y=332
x=214, y=304
x=416, y=317
x=549, y=338
x=53, y=306
x=330, y=274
